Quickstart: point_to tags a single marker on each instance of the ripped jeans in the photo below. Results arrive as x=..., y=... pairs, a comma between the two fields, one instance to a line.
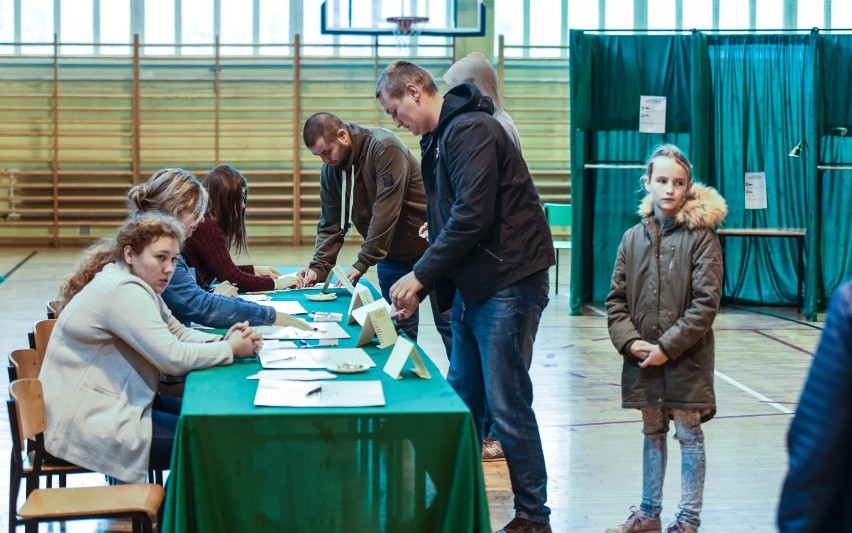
x=688, y=432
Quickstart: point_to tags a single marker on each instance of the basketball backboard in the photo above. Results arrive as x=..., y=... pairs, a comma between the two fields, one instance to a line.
x=447, y=18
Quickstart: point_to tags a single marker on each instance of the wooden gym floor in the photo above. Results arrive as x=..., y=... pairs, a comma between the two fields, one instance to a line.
x=593, y=447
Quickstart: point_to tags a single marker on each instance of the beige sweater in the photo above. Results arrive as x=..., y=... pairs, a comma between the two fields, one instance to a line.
x=101, y=370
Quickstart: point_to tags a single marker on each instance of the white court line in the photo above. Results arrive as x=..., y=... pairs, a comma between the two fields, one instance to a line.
x=754, y=393
x=595, y=310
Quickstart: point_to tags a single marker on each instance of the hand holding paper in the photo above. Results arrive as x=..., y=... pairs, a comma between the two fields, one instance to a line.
x=404, y=294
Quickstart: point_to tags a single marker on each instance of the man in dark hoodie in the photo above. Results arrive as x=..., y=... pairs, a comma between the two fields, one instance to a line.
x=488, y=258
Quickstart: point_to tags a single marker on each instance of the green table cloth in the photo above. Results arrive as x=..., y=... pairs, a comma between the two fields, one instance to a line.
x=411, y=465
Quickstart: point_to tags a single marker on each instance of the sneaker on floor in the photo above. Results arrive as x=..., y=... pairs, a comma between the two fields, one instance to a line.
x=522, y=525
x=638, y=522
x=680, y=527
x=492, y=450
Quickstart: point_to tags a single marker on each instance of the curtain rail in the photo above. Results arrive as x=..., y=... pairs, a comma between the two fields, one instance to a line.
x=614, y=166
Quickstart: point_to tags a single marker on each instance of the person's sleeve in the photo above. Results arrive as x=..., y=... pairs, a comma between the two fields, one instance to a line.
x=819, y=437
x=470, y=156
x=392, y=172
x=329, y=238
x=190, y=303
x=137, y=321
x=210, y=245
x=187, y=334
x=622, y=330
x=706, y=294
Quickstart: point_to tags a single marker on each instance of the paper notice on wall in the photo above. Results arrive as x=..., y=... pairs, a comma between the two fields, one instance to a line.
x=652, y=114
x=755, y=190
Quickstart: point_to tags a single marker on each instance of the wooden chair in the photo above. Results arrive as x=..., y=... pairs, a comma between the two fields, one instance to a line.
x=51, y=309
x=27, y=421
x=559, y=219
x=24, y=363
x=42, y=330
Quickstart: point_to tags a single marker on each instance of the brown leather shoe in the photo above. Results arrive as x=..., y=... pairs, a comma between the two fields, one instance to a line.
x=492, y=450
x=522, y=525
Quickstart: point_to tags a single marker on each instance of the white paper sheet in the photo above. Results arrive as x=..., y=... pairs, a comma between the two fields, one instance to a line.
x=289, y=307
x=293, y=375
x=276, y=393
x=324, y=330
x=314, y=358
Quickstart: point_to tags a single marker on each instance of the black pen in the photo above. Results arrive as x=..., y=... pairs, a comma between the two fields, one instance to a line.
x=317, y=390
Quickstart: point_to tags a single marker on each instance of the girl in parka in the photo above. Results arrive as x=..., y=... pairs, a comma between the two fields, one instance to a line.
x=664, y=297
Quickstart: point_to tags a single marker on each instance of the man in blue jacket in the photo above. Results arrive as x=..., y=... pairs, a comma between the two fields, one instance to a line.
x=489, y=254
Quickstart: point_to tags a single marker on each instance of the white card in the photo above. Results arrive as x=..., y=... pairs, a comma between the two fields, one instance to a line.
x=341, y=277
x=362, y=297
x=360, y=314
x=378, y=323
x=402, y=350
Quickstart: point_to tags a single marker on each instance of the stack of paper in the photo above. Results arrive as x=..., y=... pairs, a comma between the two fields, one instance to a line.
x=277, y=393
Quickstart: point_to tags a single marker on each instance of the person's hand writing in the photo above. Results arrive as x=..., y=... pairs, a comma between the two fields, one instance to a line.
x=267, y=271
x=306, y=278
x=226, y=289
x=404, y=295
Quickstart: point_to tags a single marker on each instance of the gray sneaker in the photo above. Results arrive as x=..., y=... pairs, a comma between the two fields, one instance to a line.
x=680, y=527
x=638, y=522
x=492, y=450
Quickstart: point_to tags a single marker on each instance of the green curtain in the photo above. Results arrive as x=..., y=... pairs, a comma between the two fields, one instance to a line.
x=736, y=104
x=761, y=102
x=835, y=187
x=609, y=73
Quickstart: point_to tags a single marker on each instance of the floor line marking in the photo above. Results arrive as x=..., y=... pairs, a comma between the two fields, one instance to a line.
x=785, y=343
x=754, y=393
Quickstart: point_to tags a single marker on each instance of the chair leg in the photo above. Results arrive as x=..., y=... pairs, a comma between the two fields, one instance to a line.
x=557, y=270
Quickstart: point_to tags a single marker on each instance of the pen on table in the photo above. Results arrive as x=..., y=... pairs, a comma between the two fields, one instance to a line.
x=316, y=390
x=288, y=358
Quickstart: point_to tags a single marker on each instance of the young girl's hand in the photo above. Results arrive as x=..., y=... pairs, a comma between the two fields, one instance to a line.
x=656, y=357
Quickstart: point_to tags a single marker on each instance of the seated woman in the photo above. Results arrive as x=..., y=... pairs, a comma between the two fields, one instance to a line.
x=223, y=228
x=178, y=193
x=113, y=337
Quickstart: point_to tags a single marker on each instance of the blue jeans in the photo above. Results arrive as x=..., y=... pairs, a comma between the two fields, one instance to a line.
x=492, y=348
x=164, y=417
x=693, y=461
x=389, y=271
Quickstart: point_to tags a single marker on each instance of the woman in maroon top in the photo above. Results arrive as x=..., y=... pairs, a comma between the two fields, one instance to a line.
x=223, y=228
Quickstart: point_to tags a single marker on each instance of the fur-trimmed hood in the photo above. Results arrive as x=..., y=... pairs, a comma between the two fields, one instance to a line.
x=704, y=207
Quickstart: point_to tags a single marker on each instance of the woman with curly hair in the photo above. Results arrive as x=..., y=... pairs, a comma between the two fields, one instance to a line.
x=113, y=338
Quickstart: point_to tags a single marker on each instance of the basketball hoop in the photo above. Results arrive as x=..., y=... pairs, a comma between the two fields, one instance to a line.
x=406, y=30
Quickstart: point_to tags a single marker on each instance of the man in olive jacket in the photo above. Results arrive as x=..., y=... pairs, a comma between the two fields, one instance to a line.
x=369, y=178
x=489, y=255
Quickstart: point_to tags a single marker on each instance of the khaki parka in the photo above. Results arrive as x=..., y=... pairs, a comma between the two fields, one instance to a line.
x=665, y=289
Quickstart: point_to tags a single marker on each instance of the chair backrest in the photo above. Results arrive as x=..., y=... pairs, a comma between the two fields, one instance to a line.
x=25, y=364
x=559, y=218
x=51, y=309
x=42, y=330
x=27, y=414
